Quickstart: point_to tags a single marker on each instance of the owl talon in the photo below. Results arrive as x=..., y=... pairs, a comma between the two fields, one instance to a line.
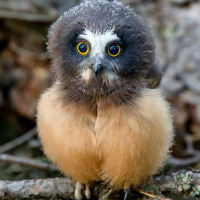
x=78, y=191
x=87, y=192
x=126, y=193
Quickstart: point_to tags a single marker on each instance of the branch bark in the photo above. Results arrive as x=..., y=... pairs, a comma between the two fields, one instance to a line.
x=184, y=184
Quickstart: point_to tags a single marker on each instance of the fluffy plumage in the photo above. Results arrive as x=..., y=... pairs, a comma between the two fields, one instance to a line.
x=114, y=126
x=123, y=145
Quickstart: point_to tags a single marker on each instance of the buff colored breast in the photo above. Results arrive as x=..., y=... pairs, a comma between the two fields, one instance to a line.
x=123, y=145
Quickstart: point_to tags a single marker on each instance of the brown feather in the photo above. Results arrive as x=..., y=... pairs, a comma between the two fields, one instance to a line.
x=123, y=144
x=134, y=140
x=67, y=136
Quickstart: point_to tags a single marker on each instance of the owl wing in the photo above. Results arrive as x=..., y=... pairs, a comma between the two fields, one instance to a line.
x=134, y=139
x=67, y=137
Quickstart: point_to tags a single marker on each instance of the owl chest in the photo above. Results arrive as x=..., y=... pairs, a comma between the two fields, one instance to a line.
x=115, y=143
x=108, y=128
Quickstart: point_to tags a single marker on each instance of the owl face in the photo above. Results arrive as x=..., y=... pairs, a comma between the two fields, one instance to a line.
x=100, y=46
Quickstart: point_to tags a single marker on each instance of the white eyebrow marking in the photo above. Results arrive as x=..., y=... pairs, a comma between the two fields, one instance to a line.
x=98, y=41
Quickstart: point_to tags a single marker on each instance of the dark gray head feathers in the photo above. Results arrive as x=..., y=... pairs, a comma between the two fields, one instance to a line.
x=99, y=16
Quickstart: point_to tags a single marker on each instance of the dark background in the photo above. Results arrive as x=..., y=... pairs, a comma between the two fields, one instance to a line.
x=25, y=71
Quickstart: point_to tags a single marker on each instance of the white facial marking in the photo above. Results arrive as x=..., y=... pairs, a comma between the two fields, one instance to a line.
x=109, y=76
x=86, y=74
x=98, y=41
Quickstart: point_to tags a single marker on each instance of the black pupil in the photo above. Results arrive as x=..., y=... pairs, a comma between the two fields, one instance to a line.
x=83, y=48
x=114, y=49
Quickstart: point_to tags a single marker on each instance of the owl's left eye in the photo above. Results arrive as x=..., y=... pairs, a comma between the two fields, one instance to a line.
x=83, y=48
x=114, y=50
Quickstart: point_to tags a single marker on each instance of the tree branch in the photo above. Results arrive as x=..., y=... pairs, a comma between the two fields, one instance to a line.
x=181, y=183
x=28, y=162
x=18, y=141
x=27, y=16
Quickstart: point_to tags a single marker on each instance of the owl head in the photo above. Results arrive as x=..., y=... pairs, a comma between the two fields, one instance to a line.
x=101, y=48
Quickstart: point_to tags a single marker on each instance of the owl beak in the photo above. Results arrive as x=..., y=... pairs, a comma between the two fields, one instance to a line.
x=97, y=65
x=97, y=69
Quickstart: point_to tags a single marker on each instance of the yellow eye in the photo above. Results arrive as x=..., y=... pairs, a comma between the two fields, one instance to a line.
x=82, y=48
x=114, y=50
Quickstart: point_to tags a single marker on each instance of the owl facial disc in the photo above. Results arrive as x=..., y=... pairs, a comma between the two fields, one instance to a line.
x=99, y=43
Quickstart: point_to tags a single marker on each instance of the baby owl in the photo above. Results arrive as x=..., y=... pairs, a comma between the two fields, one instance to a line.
x=104, y=119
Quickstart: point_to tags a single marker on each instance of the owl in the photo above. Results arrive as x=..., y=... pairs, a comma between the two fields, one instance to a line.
x=104, y=119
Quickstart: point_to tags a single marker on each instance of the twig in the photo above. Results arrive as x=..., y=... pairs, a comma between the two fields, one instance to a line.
x=152, y=195
x=18, y=141
x=190, y=151
x=14, y=47
x=181, y=3
x=28, y=162
x=28, y=16
x=105, y=196
x=181, y=162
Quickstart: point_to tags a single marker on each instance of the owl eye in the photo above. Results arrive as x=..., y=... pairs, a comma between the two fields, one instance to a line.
x=83, y=48
x=114, y=50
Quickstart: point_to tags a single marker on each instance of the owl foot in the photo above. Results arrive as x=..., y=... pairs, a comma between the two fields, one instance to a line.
x=126, y=193
x=87, y=192
x=78, y=191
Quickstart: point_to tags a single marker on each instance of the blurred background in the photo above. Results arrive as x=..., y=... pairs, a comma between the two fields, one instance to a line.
x=25, y=71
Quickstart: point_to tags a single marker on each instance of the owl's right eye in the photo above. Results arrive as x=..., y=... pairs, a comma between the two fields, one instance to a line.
x=82, y=48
